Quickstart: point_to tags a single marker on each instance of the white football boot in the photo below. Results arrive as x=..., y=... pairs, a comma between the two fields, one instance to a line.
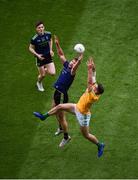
x=64, y=142
x=40, y=86
x=58, y=132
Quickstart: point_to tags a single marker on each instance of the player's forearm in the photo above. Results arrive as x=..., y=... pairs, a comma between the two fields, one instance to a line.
x=94, y=77
x=33, y=52
x=59, y=50
x=79, y=59
x=76, y=67
x=89, y=79
x=51, y=44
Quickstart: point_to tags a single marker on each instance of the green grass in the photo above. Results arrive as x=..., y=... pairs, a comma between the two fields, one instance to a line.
x=109, y=31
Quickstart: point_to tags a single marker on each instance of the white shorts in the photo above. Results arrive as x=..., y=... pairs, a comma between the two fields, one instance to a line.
x=83, y=119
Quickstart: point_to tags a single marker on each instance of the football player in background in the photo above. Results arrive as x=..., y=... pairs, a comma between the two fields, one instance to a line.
x=41, y=47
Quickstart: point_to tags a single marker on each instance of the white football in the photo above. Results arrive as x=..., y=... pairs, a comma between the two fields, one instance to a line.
x=79, y=48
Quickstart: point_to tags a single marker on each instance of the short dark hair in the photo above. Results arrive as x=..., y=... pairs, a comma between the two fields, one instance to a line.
x=100, y=88
x=38, y=23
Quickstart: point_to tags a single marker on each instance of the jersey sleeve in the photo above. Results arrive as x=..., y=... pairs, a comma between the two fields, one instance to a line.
x=49, y=35
x=66, y=63
x=32, y=41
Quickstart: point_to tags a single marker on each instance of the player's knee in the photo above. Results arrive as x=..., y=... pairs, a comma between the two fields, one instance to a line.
x=59, y=107
x=43, y=75
x=86, y=136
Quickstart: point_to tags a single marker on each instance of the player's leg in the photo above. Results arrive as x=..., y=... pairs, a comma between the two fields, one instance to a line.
x=63, y=126
x=62, y=115
x=93, y=139
x=69, y=107
x=50, y=69
x=57, y=98
x=42, y=73
x=84, y=121
x=56, y=101
x=87, y=135
x=63, y=122
x=41, y=76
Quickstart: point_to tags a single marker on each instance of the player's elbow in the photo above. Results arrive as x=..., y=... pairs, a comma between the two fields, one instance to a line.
x=30, y=48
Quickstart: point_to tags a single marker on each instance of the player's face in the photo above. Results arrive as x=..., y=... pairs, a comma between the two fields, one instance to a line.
x=40, y=29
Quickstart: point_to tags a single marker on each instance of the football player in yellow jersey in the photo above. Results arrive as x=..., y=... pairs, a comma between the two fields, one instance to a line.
x=82, y=108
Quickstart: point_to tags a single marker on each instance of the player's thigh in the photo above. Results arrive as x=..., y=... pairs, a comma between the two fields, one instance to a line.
x=41, y=70
x=51, y=68
x=69, y=107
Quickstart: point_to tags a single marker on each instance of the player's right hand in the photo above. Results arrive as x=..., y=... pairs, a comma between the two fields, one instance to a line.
x=90, y=63
x=40, y=56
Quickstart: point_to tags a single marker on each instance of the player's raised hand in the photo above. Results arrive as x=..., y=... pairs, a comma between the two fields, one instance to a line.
x=90, y=63
x=56, y=39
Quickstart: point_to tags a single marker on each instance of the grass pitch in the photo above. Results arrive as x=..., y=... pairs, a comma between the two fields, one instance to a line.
x=28, y=147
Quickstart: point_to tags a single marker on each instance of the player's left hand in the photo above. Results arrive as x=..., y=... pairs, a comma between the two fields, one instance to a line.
x=56, y=39
x=89, y=63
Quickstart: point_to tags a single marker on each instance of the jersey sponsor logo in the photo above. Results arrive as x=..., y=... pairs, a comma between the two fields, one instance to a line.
x=43, y=39
x=47, y=38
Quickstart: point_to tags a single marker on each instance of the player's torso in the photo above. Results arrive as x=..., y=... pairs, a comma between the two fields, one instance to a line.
x=65, y=79
x=85, y=102
x=42, y=43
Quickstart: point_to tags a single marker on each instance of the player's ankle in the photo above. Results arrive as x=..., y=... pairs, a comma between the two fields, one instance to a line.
x=46, y=115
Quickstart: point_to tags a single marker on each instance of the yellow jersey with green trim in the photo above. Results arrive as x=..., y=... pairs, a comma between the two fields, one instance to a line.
x=85, y=102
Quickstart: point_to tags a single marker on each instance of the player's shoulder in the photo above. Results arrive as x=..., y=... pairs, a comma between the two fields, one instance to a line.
x=48, y=32
x=34, y=37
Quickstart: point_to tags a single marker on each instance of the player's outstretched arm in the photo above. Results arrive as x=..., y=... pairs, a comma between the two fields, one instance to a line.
x=51, y=47
x=91, y=73
x=79, y=59
x=59, y=50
